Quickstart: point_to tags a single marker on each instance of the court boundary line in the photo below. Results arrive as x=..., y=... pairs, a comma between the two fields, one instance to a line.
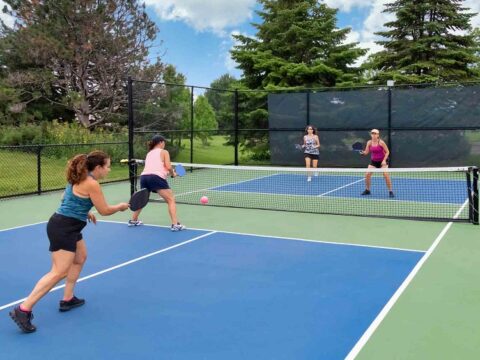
x=115, y=267
x=392, y=301
x=280, y=237
x=341, y=187
x=22, y=226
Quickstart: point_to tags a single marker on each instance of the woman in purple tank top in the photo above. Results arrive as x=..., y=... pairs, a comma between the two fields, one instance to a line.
x=379, y=155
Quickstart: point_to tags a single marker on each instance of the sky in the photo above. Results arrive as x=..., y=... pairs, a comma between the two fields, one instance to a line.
x=196, y=35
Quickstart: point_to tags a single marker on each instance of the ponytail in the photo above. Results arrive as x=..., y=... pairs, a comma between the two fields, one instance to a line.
x=80, y=165
x=77, y=169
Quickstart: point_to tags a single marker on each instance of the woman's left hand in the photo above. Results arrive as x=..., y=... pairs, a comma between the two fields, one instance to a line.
x=384, y=163
x=92, y=218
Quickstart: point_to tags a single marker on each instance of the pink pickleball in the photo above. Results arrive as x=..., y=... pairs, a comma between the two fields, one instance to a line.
x=204, y=200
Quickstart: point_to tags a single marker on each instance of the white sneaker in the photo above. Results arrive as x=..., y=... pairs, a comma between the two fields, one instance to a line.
x=134, y=223
x=177, y=227
x=309, y=178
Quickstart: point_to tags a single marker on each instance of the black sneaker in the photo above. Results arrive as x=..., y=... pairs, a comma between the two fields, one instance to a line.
x=391, y=194
x=366, y=192
x=23, y=319
x=70, y=304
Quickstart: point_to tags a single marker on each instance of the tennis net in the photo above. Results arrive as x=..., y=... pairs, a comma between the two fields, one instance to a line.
x=419, y=193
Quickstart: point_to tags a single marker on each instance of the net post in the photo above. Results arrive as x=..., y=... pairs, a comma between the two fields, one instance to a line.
x=475, y=201
x=131, y=170
x=192, y=89
x=236, y=126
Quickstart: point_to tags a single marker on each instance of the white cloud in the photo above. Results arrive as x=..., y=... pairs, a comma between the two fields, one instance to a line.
x=7, y=19
x=216, y=16
x=228, y=45
x=347, y=5
x=474, y=6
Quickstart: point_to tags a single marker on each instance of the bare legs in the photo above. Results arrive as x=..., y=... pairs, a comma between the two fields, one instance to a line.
x=169, y=197
x=310, y=163
x=61, y=263
x=75, y=269
x=368, y=178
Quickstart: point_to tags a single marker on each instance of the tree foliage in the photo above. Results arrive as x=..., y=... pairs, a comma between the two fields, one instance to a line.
x=204, y=119
x=223, y=101
x=297, y=44
x=429, y=41
x=75, y=55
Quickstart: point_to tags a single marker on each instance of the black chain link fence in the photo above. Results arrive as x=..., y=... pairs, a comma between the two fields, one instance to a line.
x=35, y=169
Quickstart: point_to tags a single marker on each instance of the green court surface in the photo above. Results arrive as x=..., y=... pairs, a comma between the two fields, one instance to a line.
x=435, y=317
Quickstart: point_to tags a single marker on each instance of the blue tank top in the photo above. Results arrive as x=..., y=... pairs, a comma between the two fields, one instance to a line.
x=74, y=206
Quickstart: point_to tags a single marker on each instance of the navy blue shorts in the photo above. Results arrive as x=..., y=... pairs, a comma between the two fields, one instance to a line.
x=153, y=183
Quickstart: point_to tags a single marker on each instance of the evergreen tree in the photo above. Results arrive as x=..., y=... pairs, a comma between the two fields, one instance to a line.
x=427, y=42
x=298, y=44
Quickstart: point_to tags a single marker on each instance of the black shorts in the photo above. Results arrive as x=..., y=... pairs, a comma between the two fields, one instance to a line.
x=377, y=164
x=64, y=232
x=311, y=156
x=153, y=183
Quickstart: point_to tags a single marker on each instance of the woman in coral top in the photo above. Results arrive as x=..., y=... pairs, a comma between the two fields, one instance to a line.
x=154, y=178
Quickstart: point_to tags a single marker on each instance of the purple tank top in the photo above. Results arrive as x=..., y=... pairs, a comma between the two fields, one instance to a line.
x=377, y=152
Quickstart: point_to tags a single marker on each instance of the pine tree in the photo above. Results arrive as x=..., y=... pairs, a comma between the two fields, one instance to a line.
x=297, y=45
x=428, y=42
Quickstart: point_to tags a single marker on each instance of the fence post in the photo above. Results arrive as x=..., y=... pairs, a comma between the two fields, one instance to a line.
x=191, y=123
x=131, y=170
x=236, y=127
x=390, y=124
x=308, y=108
x=39, y=170
x=475, y=200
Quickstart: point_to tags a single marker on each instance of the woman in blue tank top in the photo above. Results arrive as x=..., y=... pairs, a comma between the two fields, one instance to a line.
x=64, y=228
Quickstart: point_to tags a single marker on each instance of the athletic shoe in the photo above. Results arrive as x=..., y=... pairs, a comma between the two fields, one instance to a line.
x=391, y=194
x=366, y=192
x=23, y=319
x=177, y=227
x=309, y=178
x=134, y=223
x=70, y=304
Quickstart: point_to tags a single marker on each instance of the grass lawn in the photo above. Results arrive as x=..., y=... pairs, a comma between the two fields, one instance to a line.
x=19, y=172
x=216, y=152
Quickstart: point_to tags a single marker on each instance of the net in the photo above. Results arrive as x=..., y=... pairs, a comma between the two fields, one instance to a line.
x=419, y=193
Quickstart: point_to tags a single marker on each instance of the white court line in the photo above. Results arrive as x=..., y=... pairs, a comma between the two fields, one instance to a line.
x=22, y=226
x=341, y=187
x=117, y=266
x=386, y=309
x=282, y=238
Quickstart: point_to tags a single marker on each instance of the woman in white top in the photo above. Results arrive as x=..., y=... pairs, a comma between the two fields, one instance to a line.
x=154, y=178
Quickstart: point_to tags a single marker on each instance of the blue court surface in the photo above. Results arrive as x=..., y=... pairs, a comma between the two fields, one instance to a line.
x=197, y=294
x=351, y=186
